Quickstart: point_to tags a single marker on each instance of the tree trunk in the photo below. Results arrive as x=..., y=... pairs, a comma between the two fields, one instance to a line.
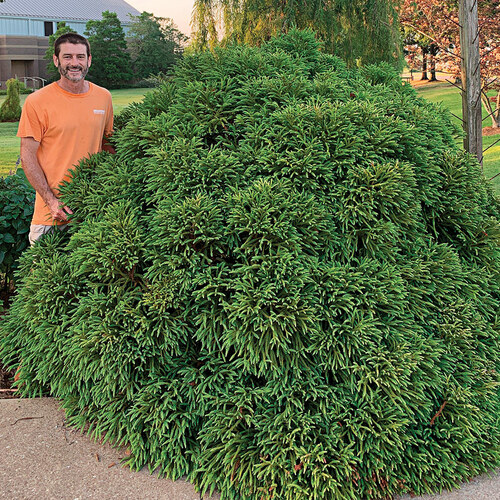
x=471, y=76
x=433, y=50
x=425, y=50
x=432, y=67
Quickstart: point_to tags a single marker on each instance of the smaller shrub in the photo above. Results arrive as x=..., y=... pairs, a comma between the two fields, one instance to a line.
x=17, y=198
x=22, y=89
x=10, y=111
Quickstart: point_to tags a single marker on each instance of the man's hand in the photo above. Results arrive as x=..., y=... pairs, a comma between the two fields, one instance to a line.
x=57, y=211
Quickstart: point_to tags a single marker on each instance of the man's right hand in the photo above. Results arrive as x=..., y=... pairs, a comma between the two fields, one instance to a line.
x=57, y=211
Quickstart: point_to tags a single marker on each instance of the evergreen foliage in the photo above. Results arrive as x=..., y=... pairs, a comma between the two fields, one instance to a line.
x=52, y=71
x=283, y=285
x=10, y=110
x=111, y=67
x=155, y=44
x=17, y=198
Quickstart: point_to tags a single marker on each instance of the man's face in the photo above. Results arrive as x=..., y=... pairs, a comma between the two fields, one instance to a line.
x=73, y=62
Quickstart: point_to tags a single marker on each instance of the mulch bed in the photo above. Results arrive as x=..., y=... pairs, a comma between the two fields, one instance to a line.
x=6, y=378
x=491, y=131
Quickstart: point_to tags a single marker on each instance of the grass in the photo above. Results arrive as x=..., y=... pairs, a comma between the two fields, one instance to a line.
x=123, y=97
x=449, y=96
x=9, y=143
x=9, y=147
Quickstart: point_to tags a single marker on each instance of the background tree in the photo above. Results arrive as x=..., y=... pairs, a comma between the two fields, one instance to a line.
x=154, y=44
x=360, y=31
x=52, y=71
x=415, y=50
x=437, y=20
x=10, y=111
x=433, y=50
x=110, y=59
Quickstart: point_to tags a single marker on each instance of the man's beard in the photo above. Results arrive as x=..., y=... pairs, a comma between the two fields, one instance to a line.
x=65, y=72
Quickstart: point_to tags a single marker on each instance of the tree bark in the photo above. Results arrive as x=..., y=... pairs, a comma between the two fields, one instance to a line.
x=425, y=50
x=471, y=78
x=432, y=66
x=433, y=50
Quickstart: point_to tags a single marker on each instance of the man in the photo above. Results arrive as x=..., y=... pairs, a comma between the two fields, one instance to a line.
x=60, y=124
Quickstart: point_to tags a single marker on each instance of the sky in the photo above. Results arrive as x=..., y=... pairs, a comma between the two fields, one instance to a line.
x=178, y=10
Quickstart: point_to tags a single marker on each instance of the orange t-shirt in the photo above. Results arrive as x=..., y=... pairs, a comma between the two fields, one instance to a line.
x=68, y=127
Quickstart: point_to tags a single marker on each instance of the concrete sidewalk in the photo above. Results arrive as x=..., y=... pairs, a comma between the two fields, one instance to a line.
x=41, y=459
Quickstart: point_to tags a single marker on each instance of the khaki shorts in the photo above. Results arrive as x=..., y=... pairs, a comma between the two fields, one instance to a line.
x=38, y=230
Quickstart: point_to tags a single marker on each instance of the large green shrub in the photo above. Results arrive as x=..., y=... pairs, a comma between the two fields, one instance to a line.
x=10, y=110
x=283, y=285
x=17, y=198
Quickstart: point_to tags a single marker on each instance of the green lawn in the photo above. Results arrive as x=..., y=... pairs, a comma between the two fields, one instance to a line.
x=9, y=143
x=449, y=96
x=123, y=97
x=9, y=147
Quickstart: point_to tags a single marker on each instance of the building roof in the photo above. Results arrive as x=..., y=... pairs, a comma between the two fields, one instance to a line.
x=67, y=10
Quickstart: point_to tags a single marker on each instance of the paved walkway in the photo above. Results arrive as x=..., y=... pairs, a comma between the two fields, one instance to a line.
x=41, y=459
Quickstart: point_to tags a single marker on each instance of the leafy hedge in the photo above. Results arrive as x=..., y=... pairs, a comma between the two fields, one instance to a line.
x=283, y=285
x=16, y=209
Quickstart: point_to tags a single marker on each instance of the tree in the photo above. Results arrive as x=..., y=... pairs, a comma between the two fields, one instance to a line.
x=359, y=31
x=437, y=21
x=433, y=51
x=10, y=111
x=416, y=45
x=52, y=71
x=154, y=43
x=110, y=59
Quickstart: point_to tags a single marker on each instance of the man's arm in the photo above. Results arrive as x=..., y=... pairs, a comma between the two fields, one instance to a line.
x=37, y=179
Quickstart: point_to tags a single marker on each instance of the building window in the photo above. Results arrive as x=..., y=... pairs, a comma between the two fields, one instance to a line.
x=49, y=28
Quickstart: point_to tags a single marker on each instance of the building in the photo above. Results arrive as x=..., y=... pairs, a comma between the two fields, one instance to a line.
x=25, y=27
